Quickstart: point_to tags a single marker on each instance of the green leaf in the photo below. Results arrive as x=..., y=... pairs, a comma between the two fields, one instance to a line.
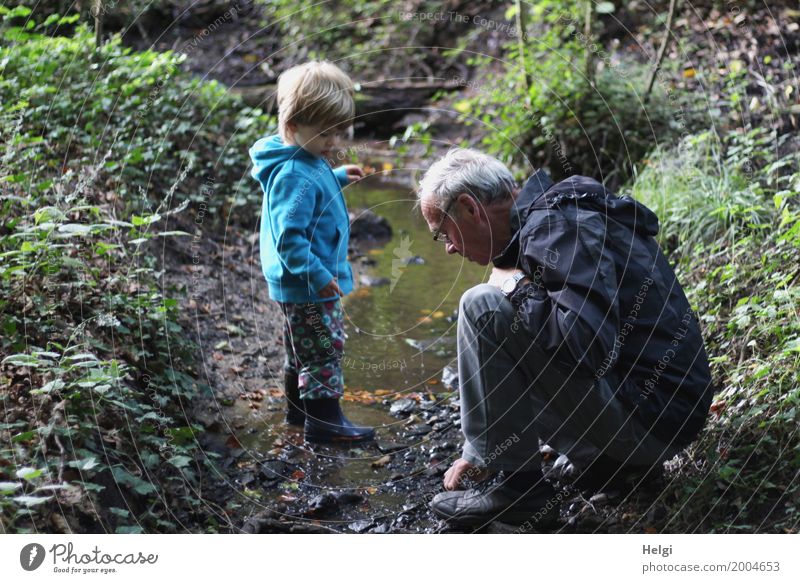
x=26, y=436
x=28, y=474
x=71, y=229
x=180, y=461
x=19, y=12
x=22, y=360
x=54, y=385
x=605, y=8
x=145, y=220
x=31, y=500
x=71, y=19
x=9, y=487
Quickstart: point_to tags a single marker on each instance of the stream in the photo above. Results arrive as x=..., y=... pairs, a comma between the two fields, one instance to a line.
x=401, y=336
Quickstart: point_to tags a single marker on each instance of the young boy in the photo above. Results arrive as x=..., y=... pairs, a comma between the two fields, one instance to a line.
x=304, y=235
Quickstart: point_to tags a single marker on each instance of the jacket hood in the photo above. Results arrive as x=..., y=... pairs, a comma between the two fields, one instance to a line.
x=269, y=152
x=588, y=193
x=539, y=192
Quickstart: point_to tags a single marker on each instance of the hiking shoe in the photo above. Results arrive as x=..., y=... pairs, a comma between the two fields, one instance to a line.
x=533, y=508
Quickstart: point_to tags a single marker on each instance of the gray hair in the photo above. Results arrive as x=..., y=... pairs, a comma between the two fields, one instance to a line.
x=463, y=170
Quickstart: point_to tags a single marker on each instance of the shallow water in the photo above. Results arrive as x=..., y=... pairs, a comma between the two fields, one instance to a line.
x=388, y=325
x=400, y=337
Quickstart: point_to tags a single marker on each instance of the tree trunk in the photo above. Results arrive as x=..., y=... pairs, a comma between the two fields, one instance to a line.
x=98, y=22
x=522, y=26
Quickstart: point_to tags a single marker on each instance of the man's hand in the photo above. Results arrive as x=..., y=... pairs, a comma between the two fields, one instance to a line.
x=499, y=276
x=353, y=172
x=460, y=470
x=331, y=289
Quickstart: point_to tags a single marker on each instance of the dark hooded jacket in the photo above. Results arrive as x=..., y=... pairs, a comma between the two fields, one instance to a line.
x=605, y=303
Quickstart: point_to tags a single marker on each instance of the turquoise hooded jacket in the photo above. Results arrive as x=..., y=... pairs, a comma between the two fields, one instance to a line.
x=305, y=227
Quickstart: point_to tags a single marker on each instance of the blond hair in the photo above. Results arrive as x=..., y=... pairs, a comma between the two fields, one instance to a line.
x=315, y=93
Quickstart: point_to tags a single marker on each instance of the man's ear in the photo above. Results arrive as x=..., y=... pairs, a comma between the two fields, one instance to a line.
x=470, y=205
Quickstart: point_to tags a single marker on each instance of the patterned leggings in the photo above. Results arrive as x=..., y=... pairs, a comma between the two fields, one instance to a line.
x=313, y=335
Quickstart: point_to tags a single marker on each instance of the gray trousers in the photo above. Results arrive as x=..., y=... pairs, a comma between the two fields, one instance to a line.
x=512, y=396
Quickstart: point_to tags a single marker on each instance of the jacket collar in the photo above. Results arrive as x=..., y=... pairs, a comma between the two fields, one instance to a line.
x=534, y=187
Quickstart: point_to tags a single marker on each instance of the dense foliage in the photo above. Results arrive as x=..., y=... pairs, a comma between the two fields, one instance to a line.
x=730, y=211
x=100, y=147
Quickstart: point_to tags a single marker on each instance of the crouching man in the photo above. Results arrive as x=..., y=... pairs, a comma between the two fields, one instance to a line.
x=582, y=338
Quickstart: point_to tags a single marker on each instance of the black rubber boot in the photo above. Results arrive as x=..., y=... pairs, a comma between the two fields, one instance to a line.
x=326, y=423
x=295, y=412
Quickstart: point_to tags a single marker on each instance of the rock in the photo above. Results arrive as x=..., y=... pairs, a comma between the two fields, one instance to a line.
x=436, y=469
x=450, y=377
x=413, y=260
x=246, y=478
x=349, y=497
x=445, y=446
x=403, y=407
x=360, y=526
x=382, y=529
x=428, y=405
x=322, y=505
x=370, y=281
x=365, y=225
x=389, y=447
x=275, y=470
x=442, y=425
x=600, y=499
x=420, y=429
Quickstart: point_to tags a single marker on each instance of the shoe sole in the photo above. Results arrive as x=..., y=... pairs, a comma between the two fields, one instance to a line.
x=343, y=440
x=511, y=517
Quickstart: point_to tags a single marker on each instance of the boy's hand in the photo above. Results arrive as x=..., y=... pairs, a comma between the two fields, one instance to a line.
x=330, y=290
x=353, y=172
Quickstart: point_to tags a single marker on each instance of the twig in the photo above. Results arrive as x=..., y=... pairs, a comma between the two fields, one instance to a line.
x=661, y=51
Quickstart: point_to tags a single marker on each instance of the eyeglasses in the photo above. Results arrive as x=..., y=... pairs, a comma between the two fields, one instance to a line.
x=437, y=232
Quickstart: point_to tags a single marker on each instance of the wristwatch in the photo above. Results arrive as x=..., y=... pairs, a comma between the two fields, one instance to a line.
x=510, y=284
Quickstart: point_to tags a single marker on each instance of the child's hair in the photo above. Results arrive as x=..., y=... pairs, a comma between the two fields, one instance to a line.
x=315, y=93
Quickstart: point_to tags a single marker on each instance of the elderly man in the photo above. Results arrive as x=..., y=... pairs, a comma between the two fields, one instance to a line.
x=582, y=338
